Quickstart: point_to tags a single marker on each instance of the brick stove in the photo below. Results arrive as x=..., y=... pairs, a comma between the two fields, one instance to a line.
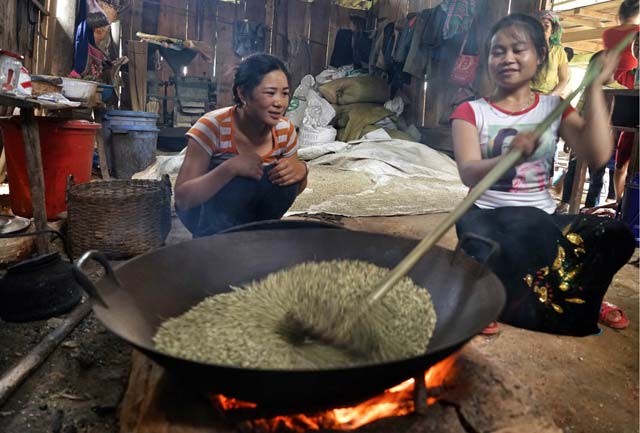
x=477, y=398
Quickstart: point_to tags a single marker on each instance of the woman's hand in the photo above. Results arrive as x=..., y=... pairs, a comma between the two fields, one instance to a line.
x=527, y=142
x=609, y=62
x=288, y=171
x=246, y=165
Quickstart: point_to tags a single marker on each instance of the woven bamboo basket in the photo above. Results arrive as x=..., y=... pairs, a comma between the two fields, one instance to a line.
x=121, y=218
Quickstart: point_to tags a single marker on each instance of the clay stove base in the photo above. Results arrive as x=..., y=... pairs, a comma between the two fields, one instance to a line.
x=483, y=399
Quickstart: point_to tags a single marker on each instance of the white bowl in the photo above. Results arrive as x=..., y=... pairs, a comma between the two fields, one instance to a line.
x=79, y=90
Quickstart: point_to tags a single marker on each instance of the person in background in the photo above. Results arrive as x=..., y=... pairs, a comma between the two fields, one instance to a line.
x=595, y=176
x=629, y=18
x=241, y=163
x=553, y=77
x=555, y=268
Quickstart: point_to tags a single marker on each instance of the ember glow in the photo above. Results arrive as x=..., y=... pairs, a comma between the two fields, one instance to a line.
x=396, y=401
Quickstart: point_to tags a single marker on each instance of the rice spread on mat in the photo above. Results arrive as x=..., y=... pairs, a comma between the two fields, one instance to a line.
x=242, y=328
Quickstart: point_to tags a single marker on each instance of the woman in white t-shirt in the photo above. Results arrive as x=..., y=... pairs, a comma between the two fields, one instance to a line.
x=555, y=268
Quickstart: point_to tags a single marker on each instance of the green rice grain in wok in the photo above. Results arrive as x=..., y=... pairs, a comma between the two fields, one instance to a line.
x=241, y=328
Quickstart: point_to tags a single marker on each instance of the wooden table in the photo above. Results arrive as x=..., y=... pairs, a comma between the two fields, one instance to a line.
x=33, y=156
x=581, y=167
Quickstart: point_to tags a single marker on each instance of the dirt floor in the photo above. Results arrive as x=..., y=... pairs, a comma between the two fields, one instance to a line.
x=589, y=385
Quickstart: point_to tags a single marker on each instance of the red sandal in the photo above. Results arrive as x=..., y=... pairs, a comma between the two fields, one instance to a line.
x=491, y=329
x=606, y=309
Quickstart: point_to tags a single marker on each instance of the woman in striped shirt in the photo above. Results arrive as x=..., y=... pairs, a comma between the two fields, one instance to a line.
x=241, y=163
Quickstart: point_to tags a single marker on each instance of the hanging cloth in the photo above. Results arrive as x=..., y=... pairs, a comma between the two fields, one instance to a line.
x=82, y=39
x=248, y=37
x=342, y=49
x=459, y=16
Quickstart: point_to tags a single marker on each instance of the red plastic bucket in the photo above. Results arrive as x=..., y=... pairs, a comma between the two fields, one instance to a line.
x=66, y=148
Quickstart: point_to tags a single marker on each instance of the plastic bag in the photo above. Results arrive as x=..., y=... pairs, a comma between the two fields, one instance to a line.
x=319, y=112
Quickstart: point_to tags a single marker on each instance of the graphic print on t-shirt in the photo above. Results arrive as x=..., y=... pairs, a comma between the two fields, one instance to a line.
x=533, y=171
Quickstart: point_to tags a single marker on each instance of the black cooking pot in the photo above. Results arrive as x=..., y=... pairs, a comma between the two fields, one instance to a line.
x=38, y=288
x=139, y=295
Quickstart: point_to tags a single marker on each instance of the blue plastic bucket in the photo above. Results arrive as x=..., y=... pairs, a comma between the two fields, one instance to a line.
x=130, y=139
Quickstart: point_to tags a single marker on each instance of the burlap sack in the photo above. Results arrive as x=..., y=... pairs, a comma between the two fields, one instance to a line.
x=350, y=90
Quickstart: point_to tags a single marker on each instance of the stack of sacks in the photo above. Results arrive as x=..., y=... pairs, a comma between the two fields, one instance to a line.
x=358, y=102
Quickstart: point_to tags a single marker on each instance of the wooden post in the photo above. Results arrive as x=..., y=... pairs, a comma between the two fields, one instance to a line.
x=10, y=381
x=420, y=394
x=577, y=186
x=33, y=156
x=102, y=154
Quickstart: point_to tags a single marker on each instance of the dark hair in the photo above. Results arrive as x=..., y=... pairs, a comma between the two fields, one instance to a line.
x=252, y=70
x=530, y=25
x=629, y=9
x=595, y=56
x=570, y=52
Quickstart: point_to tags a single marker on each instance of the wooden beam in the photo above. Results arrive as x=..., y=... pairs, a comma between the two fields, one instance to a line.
x=11, y=380
x=33, y=156
x=572, y=18
x=610, y=5
x=586, y=46
x=62, y=42
x=586, y=12
x=567, y=3
x=584, y=35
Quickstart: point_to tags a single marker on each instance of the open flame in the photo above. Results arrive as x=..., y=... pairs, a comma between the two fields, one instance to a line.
x=396, y=401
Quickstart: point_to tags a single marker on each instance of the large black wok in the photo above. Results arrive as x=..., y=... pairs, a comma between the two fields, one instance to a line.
x=166, y=282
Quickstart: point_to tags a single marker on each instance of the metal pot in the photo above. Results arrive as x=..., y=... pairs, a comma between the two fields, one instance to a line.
x=138, y=296
x=38, y=288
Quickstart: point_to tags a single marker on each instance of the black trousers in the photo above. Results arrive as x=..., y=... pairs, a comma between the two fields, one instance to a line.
x=241, y=201
x=555, y=268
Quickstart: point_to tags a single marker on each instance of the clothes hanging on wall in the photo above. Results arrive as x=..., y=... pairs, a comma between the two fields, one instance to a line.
x=83, y=39
x=422, y=43
x=361, y=49
x=342, y=49
x=406, y=28
x=427, y=37
x=351, y=48
x=459, y=16
x=248, y=37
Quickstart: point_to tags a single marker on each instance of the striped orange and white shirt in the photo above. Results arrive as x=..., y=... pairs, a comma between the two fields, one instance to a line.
x=214, y=132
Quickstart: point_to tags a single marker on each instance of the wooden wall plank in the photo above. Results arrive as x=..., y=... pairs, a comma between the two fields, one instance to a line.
x=525, y=6
x=393, y=9
x=256, y=10
x=226, y=59
x=270, y=8
x=299, y=53
x=320, y=12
